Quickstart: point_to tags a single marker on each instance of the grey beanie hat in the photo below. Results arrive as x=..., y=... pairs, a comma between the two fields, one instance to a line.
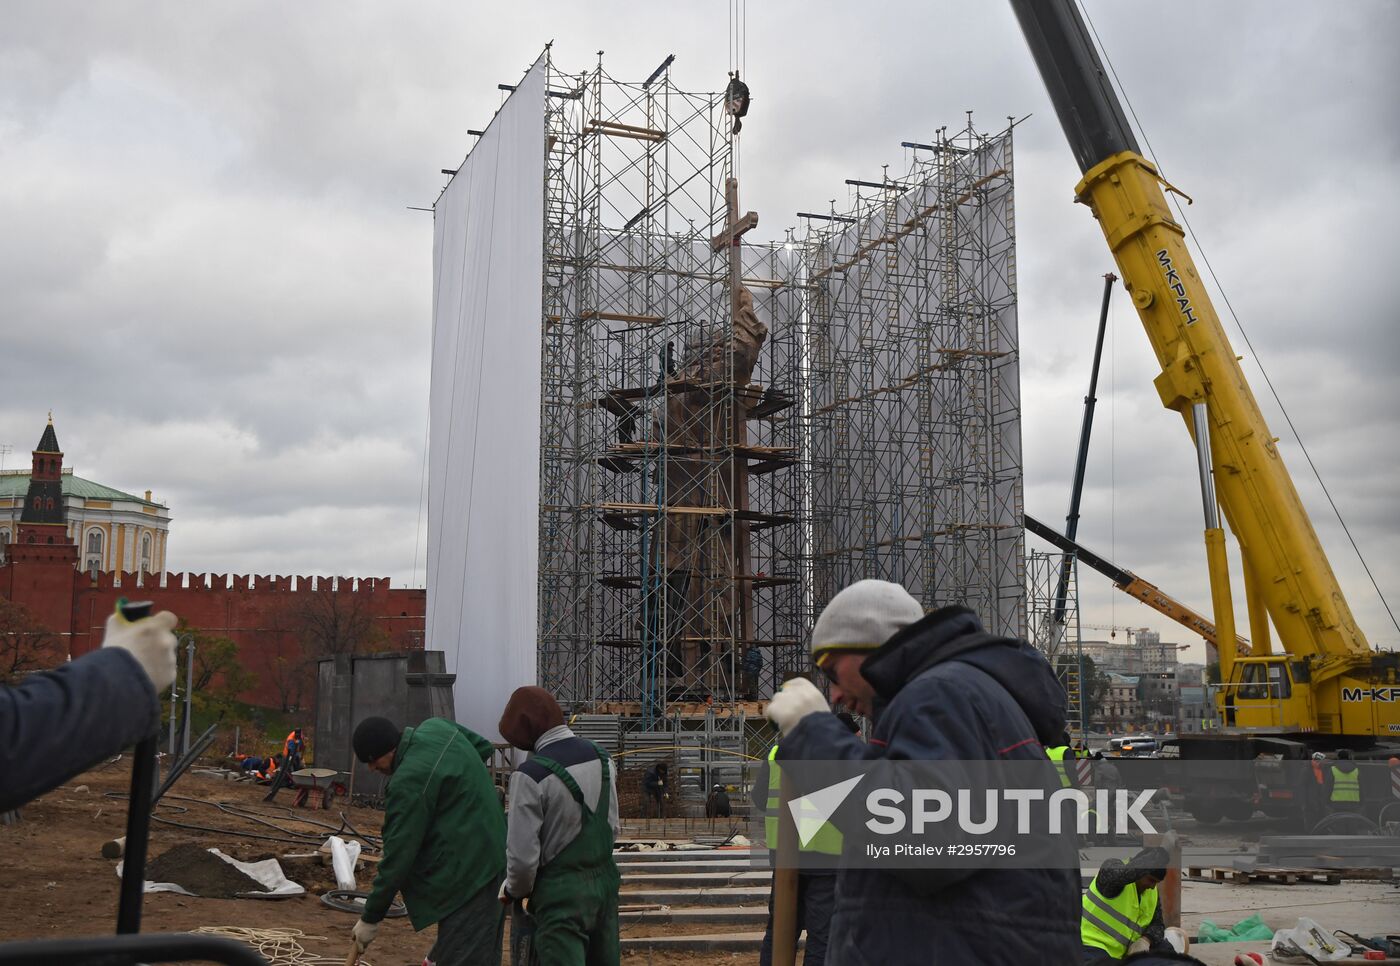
x=863, y=616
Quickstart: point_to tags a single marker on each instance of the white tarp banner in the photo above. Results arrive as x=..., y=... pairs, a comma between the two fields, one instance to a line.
x=484, y=442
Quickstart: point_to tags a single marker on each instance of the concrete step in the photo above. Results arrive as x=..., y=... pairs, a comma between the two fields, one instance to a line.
x=700, y=865
x=737, y=915
x=700, y=880
x=709, y=942
x=732, y=896
x=676, y=868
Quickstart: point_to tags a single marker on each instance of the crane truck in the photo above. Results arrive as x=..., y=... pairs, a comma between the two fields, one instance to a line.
x=1322, y=687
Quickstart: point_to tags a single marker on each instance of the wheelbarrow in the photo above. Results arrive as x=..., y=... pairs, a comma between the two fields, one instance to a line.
x=320, y=780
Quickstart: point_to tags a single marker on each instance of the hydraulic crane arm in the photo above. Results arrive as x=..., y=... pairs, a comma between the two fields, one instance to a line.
x=1133, y=585
x=1287, y=574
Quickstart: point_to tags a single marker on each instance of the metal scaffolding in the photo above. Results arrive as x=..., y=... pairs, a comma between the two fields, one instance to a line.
x=914, y=391
x=1053, y=625
x=717, y=460
x=670, y=544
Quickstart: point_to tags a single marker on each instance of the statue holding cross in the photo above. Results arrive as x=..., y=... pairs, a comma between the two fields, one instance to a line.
x=706, y=566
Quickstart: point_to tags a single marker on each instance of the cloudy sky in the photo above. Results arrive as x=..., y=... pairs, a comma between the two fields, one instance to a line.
x=208, y=269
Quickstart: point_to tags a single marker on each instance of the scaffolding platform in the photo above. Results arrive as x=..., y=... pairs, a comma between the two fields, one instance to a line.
x=624, y=457
x=756, y=581
x=624, y=516
x=689, y=710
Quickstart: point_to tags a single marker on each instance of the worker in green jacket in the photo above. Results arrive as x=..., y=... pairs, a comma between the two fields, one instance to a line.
x=444, y=838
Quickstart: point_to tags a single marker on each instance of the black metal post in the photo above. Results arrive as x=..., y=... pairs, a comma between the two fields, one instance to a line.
x=138, y=828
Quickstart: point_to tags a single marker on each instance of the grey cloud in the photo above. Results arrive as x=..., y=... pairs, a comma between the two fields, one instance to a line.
x=206, y=267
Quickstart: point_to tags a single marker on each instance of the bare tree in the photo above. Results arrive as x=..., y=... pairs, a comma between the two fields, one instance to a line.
x=333, y=622
x=25, y=644
x=284, y=670
x=316, y=624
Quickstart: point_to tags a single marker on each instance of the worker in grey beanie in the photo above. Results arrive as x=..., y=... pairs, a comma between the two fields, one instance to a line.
x=936, y=687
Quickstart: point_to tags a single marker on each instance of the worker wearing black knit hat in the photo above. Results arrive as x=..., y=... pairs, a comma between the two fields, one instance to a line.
x=444, y=837
x=373, y=739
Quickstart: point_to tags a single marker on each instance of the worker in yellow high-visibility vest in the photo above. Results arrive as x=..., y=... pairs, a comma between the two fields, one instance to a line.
x=1120, y=912
x=816, y=879
x=1344, y=783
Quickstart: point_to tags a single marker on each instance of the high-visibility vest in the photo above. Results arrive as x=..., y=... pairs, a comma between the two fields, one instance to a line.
x=827, y=841
x=1057, y=755
x=1114, y=924
x=1346, y=785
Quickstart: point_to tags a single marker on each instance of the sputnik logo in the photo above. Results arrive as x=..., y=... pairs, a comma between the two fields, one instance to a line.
x=811, y=811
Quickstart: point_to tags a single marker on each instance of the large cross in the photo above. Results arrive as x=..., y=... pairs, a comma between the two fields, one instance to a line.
x=735, y=228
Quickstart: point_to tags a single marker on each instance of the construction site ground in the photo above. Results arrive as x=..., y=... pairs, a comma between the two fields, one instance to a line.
x=61, y=886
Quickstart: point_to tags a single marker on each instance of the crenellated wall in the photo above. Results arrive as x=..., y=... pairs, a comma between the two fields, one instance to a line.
x=262, y=613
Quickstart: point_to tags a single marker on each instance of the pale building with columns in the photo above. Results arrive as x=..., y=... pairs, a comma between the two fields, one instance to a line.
x=112, y=529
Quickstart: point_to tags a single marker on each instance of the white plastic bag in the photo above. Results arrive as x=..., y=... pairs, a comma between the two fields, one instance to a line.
x=344, y=855
x=1309, y=936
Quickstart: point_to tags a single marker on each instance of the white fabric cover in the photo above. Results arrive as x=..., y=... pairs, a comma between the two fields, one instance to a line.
x=484, y=438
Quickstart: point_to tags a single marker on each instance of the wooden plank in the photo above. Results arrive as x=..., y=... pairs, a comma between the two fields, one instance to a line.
x=621, y=317
x=619, y=126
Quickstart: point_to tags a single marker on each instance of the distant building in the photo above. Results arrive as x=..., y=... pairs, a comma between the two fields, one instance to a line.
x=112, y=529
x=279, y=623
x=1142, y=652
x=1197, y=712
x=1121, y=708
x=1196, y=700
x=1159, y=697
x=1191, y=675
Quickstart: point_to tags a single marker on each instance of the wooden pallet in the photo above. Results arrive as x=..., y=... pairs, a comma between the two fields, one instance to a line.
x=1273, y=876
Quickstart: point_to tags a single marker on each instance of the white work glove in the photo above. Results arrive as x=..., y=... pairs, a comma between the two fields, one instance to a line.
x=793, y=702
x=503, y=895
x=150, y=640
x=363, y=934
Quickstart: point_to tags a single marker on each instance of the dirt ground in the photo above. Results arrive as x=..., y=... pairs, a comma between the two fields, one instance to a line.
x=57, y=876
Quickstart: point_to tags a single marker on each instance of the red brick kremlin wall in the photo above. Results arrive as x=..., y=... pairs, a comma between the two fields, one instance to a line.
x=257, y=612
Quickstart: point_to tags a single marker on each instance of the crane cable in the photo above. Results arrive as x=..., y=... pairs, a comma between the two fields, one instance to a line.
x=1297, y=436
x=738, y=58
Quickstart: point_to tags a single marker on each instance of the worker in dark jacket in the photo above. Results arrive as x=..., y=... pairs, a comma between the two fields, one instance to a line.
x=1121, y=908
x=654, y=781
x=937, y=688
x=444, y=837
x=559, y=842
x=58, y=723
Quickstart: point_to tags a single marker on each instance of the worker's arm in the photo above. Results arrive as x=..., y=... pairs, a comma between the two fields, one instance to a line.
x=822, y=737
x=407, y=813
x=1156, y=932
x=56, y=724
x=524, y=831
